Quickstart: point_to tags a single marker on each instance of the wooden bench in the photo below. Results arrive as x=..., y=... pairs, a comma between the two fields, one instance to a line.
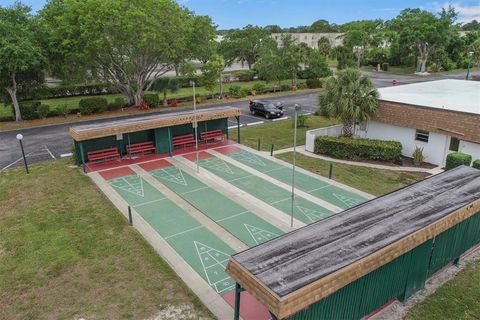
x=140, y=148
x=214, y=135
x=184, y=140
x=104, y=154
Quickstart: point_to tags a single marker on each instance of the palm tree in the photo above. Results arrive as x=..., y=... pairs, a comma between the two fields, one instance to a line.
x=351, y=97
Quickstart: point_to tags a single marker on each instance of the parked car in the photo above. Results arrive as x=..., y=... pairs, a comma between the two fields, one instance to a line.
x=266, y=109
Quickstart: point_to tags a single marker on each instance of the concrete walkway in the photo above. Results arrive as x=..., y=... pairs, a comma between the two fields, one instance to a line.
x=301, y=149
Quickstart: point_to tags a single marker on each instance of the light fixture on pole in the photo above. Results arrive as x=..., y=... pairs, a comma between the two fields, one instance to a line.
x=20, y=138
x=297, y=109
x=195, y=124
x=470, y=55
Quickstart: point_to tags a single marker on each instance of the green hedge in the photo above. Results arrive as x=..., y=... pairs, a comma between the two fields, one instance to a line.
x=46, y=92
x=92, y=105
x=476, y=164
x=365, y=149
x=457, y=159
x=31, y=110
x=238, y=92
x=152, y=99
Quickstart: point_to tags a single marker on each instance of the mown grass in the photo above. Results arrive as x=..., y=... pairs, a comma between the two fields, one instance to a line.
x=457, y=299
x=279, y=133
x=374, y=181
x=72, y=102
x=66, y=253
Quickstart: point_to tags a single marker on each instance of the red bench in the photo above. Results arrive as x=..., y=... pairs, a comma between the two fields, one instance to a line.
x=140, y=148
x=104, y=154
x=214, y=135
x=184, y=140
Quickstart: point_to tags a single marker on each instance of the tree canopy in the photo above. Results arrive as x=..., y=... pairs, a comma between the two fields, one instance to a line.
x=350, y=97
x=129, y=43
x=21, y=57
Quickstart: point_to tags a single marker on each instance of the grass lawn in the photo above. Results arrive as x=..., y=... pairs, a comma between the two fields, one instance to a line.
x=72, y=102
x=373, y=181
x=457, y=299
x=66, y=253
x=280, y=133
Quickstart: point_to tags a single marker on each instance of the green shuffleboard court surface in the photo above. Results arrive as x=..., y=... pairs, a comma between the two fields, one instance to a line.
x=243, y=224
x=337, y=196
x=201, y=249
x=269, y=193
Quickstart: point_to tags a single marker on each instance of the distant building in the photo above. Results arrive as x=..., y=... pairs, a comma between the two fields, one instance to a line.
x=439, y=116
x=311, y=39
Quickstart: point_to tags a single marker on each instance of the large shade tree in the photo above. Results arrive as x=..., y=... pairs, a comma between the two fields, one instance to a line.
x=243, y=45
x=129, y=43
x=423, y=32
x=21, y=59
x=351, y=97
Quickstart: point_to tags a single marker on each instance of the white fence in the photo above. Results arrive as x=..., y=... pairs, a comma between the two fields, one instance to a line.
x=334, y=131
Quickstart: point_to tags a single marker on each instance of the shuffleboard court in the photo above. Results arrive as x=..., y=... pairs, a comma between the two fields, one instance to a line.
x=321, y=189
x=269, y=193
x=201, y=249
x=243, y=224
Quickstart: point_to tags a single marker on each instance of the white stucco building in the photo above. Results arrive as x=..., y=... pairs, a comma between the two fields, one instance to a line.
x=439, y=116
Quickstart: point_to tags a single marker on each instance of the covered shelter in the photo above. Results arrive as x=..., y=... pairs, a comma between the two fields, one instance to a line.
x=155, y=132
x=352, y=263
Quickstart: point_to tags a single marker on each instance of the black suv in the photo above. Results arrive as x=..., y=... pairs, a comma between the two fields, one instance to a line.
x=266, y=109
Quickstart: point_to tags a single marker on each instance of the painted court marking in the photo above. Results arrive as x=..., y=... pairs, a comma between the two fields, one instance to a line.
x=312, y=215
x=218, y=164
x=214, y=263
x=251, y=158
x=259, y=235
x=183, y=232
x=349, y=202
x=136, y=187
x=172, y=174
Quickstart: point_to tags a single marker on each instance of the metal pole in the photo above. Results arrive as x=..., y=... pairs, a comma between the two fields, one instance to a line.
x=271, y=150
x=297, y=108
x=330, y=170
x=130, y=220
x=238, y=290
x=23, y=155
x=195, y=125
x=221, y=87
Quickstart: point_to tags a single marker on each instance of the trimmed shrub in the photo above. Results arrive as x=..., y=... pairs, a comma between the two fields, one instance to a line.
x=259, y=88
x=43, y=110
x=238, y=92
x=63, y=110
x=54, y=113
x=285, y=87
x=301, y=86
x=457, y=159
x=7, y=118
x=244, y=75
x=152, y=99
x=118, y=103
x=74, y=111
x=29, y=110
x=475, y=164
x=365, y=149
x=314, y=83
x=92, y=105
x=46, y=92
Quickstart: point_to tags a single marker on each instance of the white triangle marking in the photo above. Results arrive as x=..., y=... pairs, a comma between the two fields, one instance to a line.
x=259, y=235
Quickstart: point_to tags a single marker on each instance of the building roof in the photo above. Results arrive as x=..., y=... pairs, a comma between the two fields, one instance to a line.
x=304, y=266
x=153, y=121
x=448, y=94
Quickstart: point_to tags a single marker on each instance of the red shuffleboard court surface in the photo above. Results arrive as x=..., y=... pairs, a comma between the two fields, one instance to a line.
x=92, y=167
x=228, y=149
x=201, y=155
x=154, y=165
x=250, y=308
x=116, y=173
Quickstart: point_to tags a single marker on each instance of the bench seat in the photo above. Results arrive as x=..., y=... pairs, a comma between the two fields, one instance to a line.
x=140, y=148
x=214, y=135
x=103, y=154
x=185, y=140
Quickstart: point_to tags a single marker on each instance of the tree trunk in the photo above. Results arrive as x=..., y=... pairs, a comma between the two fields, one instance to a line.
x=165, y=101
x=13, y=95
x=348, y=127
x=424, y=51
x=177, y=69
x=249, y=65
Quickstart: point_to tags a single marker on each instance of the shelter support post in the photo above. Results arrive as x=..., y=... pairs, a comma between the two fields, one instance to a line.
x=82, y=154
x=238, y=291
x=274, y=317
x=238, y=128
x=170, y=141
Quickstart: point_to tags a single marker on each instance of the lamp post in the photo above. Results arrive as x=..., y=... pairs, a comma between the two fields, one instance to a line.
x=297, y=109
x=20, y=138
x=195, y=124
x=470, y=55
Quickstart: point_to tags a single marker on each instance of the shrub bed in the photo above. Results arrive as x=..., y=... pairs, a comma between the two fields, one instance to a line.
x=92, y=105
x=33, y=110
x=476, y=164
x=457, y=159
x=364, y=149
x=238, y=92
x=152, y=99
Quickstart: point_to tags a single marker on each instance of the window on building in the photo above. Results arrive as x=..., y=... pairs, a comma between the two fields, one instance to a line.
x=454, y=144
x=421, y=135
